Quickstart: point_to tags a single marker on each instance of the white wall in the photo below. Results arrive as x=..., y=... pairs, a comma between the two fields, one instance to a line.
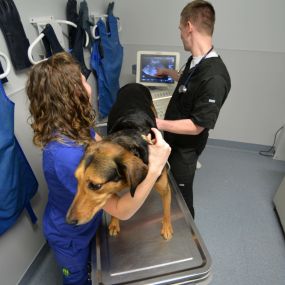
x=240, y=25
x=250, y=38
x=21, y=244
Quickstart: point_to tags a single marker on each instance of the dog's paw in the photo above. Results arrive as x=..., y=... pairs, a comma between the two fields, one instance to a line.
x=114, y=228
x=166, y=231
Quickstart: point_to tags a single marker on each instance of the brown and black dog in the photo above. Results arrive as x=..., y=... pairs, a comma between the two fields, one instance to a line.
x=119, y=161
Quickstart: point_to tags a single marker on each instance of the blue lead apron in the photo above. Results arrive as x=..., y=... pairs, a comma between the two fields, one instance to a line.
x=17, y=181
x=106, y=62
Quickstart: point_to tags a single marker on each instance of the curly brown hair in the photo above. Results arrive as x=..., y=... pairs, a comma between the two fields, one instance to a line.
x=59, y=103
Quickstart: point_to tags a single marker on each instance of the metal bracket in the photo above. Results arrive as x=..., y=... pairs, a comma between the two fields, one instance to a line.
x=95, y=17
x=41, y=22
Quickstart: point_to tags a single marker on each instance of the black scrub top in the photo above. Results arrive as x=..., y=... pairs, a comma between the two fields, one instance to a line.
x=207, y=90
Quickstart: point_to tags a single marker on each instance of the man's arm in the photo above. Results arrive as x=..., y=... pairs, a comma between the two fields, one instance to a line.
x=168, y=72
x=183, y=127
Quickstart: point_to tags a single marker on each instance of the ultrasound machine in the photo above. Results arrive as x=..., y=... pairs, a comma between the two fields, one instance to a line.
x=161, y=88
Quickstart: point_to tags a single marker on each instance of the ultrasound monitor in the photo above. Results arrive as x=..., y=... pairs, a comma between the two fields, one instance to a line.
x=149, y=61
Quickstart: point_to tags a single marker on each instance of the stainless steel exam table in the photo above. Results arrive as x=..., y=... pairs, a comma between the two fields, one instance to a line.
x=139, y=255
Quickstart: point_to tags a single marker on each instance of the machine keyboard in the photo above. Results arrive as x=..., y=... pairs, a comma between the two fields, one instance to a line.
x=161, y=98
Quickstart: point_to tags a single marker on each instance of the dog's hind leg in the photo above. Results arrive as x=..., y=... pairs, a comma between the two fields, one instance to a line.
x=163, y=188
x=114, y=226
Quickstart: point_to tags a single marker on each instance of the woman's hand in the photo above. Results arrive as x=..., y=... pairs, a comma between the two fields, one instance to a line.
x=98, y=137
x=159, y=152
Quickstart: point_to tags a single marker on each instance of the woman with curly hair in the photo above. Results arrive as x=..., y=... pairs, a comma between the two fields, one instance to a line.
x=62, y=118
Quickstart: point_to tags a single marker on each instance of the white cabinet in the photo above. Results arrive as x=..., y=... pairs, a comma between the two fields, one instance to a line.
x=279, y=202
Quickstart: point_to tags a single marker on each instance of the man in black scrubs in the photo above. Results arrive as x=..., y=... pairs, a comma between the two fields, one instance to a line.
x=201, y=91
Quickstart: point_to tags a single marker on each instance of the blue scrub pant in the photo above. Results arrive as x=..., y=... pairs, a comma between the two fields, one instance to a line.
x=74, y=264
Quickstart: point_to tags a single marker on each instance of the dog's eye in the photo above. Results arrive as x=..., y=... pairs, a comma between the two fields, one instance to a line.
x=117, y=178
x=93, y=186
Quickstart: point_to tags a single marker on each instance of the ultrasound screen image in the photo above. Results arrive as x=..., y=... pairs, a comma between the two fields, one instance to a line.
x=150, y=64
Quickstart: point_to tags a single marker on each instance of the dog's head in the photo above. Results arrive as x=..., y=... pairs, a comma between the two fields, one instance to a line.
x=106, y=169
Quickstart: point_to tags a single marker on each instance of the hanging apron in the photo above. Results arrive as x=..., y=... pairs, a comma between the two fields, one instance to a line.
x=17, y=181
x=106, y=62
x=52, y=46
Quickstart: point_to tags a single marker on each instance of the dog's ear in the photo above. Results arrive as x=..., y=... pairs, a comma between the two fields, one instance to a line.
x=132, y=169
x=79, y=172
x=84, y=163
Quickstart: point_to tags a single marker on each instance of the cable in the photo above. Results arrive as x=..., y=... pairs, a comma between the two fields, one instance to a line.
x=271, y=151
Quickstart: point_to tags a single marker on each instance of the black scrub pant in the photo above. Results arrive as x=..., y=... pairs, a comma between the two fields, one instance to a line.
x=183, y=166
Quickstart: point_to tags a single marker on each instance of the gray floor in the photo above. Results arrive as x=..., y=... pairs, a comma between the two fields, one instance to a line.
x=235, y=216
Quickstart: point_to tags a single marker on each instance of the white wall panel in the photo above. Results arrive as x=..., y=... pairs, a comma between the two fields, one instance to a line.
x=256, y=25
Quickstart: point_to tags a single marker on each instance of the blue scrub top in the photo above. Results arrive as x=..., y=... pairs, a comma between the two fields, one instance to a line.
x=60, y=160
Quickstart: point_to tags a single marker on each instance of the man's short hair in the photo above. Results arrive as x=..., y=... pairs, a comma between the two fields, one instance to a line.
x=201, y=14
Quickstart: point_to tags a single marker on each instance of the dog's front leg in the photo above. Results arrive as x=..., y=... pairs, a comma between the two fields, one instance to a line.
x=163, y=188
x=114, y=226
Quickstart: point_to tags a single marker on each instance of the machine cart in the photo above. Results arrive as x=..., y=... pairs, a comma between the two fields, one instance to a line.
x=139, y=255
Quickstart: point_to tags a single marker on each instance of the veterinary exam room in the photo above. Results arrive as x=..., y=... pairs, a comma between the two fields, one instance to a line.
x=142, y=142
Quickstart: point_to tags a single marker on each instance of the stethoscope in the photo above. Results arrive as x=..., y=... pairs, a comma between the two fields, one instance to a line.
x=182, y=88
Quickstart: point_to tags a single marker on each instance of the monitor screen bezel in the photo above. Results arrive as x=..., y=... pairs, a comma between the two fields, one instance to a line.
x=155, y=53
